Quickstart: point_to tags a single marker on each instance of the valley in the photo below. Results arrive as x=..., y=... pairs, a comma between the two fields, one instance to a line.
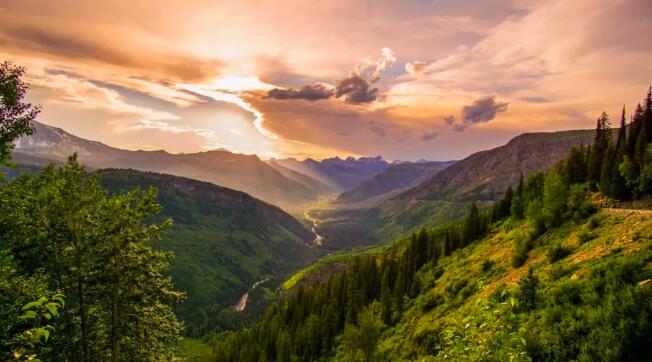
x=326, y=181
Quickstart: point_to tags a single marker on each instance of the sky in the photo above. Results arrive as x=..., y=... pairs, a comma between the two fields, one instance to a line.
x=420, y=79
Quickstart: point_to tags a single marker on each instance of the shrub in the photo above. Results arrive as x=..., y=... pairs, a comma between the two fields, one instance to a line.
x=501, y=293
x=522, y=246
x=518, y=259
x=431, y=301
x=593, y=223
x=456, y=286
x=557, y=252
x=467, y=291
x=584, y=236
x=557, y=272
x=487, y=265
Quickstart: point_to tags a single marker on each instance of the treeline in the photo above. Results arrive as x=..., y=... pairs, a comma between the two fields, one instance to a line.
x=344, y=316
x=79, y=279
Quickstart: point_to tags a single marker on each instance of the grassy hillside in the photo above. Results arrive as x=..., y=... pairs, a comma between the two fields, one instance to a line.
x=223, y=240
x=468, y=307
x=584, y=293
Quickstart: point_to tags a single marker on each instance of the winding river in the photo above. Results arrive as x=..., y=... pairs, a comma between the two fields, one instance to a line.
x=318, y=238
x=242, y=303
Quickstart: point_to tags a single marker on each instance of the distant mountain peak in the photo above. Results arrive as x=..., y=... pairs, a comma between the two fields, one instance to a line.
x=237, y=171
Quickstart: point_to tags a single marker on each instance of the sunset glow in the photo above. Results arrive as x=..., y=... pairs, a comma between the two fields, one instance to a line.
x=406, y=80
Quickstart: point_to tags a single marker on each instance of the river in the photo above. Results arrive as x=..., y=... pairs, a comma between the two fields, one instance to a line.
x=318, y=238
x=242, y=303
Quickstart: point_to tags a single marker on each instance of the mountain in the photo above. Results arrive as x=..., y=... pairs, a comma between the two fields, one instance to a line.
x=481, y=177
x=341, y=174
x=486, y=174
x=395, y=177
x=223, y=241
x=312, y=184
x=241, y=172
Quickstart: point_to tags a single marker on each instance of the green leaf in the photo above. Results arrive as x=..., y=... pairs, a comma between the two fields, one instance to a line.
x=30, y=314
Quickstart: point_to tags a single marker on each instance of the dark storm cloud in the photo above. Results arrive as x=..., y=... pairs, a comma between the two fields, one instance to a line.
x=307, y=92
x=428, y=136
x=355, y=90
x=481, y=110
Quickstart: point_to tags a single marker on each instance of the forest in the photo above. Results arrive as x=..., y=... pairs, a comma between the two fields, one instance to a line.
x=606, y=316
x=81, y=279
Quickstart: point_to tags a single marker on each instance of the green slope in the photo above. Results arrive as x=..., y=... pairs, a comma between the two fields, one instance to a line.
x=588, y=302
x=593, y=301
x=223, y=240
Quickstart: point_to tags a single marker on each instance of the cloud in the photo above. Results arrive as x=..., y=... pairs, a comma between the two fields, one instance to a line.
x=415, y=67
x=378, y=130
x=370, y=69
x=536, y=99
x=387, y=60
x=428, y=136
x=449, y=120
x=481, y=110
x=355, y=90
x=86, y=47
x=307, y=92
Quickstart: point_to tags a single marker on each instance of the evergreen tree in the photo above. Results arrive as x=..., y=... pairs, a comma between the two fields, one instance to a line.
x=517, y=209
x=528, y=290
x=634, y=131
x=607, y=181
x=647, y=115
x=621, y=141
x=575, y=166
x=554, y=198
x=600, y=144
x=471, y=225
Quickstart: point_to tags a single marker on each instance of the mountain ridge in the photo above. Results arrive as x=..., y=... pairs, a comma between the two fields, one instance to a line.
x=396, y=176
x=242, y=172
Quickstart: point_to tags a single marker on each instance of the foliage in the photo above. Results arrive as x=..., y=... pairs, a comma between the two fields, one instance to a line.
x=223, y=241
x=95, y=251
x=32, y=338
x=16, y=116
x=430, y=290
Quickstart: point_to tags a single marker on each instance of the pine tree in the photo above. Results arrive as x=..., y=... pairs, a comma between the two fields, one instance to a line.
x=517, y=209
x=634, y=131
x=471, y=225
x=528, y=290
x=619, y=183
x=607, y=182
x=647, y=114
x=554, y=198
x=621, y=141
x=600, y=144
